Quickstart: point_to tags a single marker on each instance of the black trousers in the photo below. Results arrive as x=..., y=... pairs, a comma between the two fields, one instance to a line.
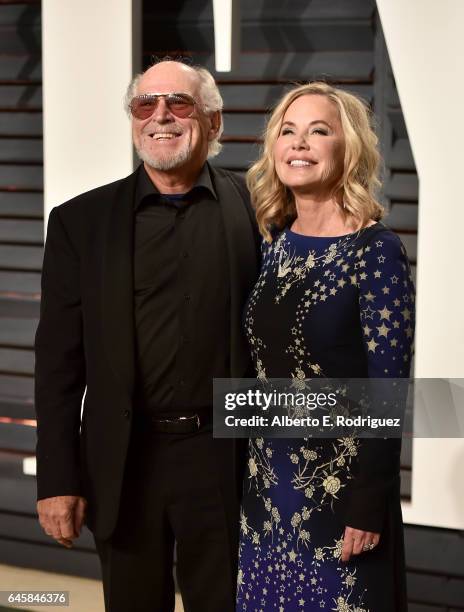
x=177, y=488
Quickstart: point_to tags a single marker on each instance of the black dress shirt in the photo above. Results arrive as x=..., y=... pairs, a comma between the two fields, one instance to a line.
x=181, y=296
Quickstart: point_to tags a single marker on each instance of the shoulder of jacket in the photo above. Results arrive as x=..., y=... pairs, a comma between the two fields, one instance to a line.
x=90, y=199
x=235, y=177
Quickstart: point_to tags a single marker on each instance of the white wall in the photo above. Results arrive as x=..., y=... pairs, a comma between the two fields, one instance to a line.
x=88, y=61
x=425, y=40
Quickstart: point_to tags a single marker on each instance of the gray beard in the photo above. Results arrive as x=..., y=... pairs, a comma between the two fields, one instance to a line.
x=167, y=162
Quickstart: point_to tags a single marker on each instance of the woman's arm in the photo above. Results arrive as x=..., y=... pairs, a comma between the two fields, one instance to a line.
x=386, y=308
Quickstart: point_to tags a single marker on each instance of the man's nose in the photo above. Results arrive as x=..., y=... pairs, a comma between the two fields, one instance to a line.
x=162, y=114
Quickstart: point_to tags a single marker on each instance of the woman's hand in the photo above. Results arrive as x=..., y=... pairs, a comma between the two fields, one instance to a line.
x=357, y=541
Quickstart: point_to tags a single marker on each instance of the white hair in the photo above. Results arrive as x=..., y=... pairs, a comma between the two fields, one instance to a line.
x=210, y=98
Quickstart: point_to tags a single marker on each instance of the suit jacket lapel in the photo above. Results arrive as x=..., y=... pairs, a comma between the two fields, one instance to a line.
x=243, y=265
x=118, y=285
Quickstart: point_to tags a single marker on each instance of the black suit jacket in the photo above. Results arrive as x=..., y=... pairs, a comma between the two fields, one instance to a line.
x=85, y=339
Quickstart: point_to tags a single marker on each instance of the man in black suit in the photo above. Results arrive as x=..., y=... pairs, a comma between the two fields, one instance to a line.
x=144, y=281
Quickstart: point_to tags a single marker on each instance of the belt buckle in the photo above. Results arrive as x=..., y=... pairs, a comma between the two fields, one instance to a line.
x=194, y=416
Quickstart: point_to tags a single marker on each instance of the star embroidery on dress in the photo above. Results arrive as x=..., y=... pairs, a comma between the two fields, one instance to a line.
x=396, y=324
x=372, y=345
x=377, y=274
x=385, y=290
x=353, y=279
x=368, y=312
x=366, y=329
x=378, y=244
x=394, y=279
x=408, y=332
x=341, y=282
x=333, y=291
x=406, y=314
x=396, y=302
x=385, y=313
x=394, y=342
x=381, y=258
x=383, y=330
x=370, y=296
x=292, y=556
x=363, y=276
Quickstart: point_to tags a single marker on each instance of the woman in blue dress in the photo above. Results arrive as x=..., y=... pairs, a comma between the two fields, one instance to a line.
x=321, y=525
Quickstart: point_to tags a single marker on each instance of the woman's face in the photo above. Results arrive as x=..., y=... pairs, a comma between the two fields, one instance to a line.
x=310, y=147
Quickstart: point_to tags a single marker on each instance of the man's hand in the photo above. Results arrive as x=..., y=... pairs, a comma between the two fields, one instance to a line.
x=356, y=541
x=62, y=517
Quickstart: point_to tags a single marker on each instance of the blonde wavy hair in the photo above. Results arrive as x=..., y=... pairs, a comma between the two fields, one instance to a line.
x=355, y=191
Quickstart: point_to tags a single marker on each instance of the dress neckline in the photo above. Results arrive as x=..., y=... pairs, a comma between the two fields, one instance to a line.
x=292, y=233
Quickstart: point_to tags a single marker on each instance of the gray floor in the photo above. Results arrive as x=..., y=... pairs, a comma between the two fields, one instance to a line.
x=84, y=594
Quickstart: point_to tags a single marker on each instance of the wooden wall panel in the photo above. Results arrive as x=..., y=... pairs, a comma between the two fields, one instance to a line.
x=21, y=252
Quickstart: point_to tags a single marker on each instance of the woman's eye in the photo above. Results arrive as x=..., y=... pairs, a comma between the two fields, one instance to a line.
x=286, y=131
x=319, y=131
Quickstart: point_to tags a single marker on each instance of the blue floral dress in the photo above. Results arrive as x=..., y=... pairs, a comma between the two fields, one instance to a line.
x=333, y=307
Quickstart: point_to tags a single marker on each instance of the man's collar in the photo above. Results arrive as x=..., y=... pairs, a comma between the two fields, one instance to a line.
x=145, y=186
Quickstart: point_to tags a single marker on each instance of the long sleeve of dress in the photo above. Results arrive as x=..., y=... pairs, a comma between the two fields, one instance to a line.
x=386, y=307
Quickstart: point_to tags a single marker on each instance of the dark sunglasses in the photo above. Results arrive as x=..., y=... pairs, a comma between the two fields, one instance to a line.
x=180, y=104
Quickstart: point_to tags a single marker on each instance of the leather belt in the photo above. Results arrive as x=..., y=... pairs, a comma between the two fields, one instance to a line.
x=175, y=424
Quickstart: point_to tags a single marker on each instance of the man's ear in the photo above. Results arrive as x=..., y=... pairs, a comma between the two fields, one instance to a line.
x=215, y=119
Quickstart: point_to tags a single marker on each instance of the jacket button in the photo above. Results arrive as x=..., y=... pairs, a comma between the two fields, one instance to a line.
x=127, y=414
